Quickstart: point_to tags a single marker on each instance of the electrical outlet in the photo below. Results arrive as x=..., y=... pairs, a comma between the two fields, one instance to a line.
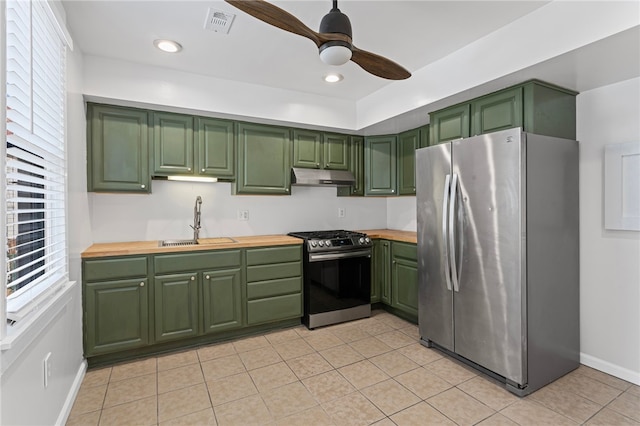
x=341, y=212
x=243, y=214
x=47, y=369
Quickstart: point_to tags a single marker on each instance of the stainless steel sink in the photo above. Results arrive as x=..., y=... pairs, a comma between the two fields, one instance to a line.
x=177, y=243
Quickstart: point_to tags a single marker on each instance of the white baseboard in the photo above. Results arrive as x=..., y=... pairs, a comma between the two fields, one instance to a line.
x=609, y=368
x=71, y=396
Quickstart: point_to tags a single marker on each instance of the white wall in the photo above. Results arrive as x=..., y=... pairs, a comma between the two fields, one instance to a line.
x=401, y=213
x=24, y=399
x=609, y=260
x=168, y=211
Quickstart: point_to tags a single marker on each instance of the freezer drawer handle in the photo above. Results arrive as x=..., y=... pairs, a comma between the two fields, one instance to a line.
x=445, y=241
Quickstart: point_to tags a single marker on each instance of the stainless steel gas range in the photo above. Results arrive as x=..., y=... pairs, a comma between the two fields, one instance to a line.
x=337, y=276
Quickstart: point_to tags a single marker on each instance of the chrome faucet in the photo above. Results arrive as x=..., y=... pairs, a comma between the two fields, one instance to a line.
x=196, y=219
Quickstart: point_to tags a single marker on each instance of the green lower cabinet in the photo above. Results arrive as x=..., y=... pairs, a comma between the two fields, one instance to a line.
x=384, y=271
x=222, y=300
x=176, y=306
x=375, y=271
x=116, y=315
x=274, y=284
x=404, y=278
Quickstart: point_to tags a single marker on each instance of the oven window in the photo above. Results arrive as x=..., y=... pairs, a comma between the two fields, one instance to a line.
x=338, y=284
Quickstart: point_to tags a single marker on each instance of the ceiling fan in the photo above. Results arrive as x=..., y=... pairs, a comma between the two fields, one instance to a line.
x=333, y=41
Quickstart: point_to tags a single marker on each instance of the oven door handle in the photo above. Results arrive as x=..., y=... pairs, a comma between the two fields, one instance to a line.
x=319, y=257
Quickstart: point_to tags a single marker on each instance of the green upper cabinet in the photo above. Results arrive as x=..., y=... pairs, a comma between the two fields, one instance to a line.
x=215, y=148
x=117, y=149
x=173, y=144
x=307, y=149
x=535, y=106
x=317, y=150
x=380, y=165
x=335, y=151
x=424, y=136
x=264, y=160
x=449, y=124
x=408, y=142
x=498, y=111
x=356, y=166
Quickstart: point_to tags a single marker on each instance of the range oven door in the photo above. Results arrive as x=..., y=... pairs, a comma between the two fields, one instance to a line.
x=337, y=280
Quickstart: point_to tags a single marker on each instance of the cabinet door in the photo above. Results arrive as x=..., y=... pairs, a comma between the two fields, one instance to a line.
x=356, y=166
x=449, y=124
x=336, y=151
x=172, y=143
x=498, y=111
x=380, y=165
x=376, y=260
x=404, y=278
x=176, y=306
x=118, y=149
x=115, y=316
x=424, y=136
x=222, y=300
x=215, y=148
x=307, y=149
x=264, y=160
x=408, y=142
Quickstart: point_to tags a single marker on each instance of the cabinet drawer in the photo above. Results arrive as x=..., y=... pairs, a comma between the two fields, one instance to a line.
x=272, y=272
x=108, y=269
x=271, y=288
x=170, y=263
x=405, y=250
x=274, y=308
x=270, y=255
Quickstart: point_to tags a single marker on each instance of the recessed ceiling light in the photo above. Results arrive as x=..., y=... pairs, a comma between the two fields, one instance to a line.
x=333, y=78
x=169, y=46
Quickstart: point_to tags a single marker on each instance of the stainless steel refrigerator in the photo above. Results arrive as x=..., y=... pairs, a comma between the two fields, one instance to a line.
x=498, y=254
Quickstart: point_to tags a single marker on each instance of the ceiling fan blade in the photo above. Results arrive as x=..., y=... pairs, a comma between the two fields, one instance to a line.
x=273, y=15
x=378, y=65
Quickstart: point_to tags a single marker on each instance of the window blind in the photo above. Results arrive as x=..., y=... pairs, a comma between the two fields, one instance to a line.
x=35, y=171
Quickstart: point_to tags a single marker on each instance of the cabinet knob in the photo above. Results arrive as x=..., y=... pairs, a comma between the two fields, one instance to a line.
x=142, y=284
x=189, y=169
x=317, y=164
x=142, y=186
x=207, y=277
x=203, y=170
x=393, y=190
x=286, y=190
x=326, y=165
x=354, y=190
x=193, y=278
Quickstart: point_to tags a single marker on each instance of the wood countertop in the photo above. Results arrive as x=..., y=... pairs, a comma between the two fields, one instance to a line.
x=392, y=234
x=151, y=247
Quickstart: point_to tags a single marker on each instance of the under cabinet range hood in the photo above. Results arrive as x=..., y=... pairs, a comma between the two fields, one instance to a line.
x=317, y=177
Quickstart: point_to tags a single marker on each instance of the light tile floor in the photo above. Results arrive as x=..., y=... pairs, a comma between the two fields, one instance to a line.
x=370, y=371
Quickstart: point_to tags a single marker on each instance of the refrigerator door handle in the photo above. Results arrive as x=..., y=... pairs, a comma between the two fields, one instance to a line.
x=445, y=239
x=452, y=233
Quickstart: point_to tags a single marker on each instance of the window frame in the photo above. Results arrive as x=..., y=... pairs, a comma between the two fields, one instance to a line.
x=37, y=305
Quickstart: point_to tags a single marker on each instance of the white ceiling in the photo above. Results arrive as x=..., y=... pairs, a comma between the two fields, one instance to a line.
x=411, y=33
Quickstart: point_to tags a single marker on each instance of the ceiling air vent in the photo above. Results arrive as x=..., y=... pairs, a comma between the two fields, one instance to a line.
x=218, y=21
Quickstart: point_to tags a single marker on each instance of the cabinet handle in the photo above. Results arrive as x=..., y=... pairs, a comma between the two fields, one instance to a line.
x=193, y=278
x=207, y=277
x=142, y=284
x=142, y=186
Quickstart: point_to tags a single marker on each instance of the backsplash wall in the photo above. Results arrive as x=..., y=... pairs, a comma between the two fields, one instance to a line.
x=167, y=212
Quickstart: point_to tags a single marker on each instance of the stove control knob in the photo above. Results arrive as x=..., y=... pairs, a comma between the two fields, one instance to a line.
x=321, y=243
x=361, y=240
x=327, y=243
x=368, y=240
x=313, y=243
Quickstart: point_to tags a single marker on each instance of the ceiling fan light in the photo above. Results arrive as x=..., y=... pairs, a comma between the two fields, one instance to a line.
x=335, y=53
